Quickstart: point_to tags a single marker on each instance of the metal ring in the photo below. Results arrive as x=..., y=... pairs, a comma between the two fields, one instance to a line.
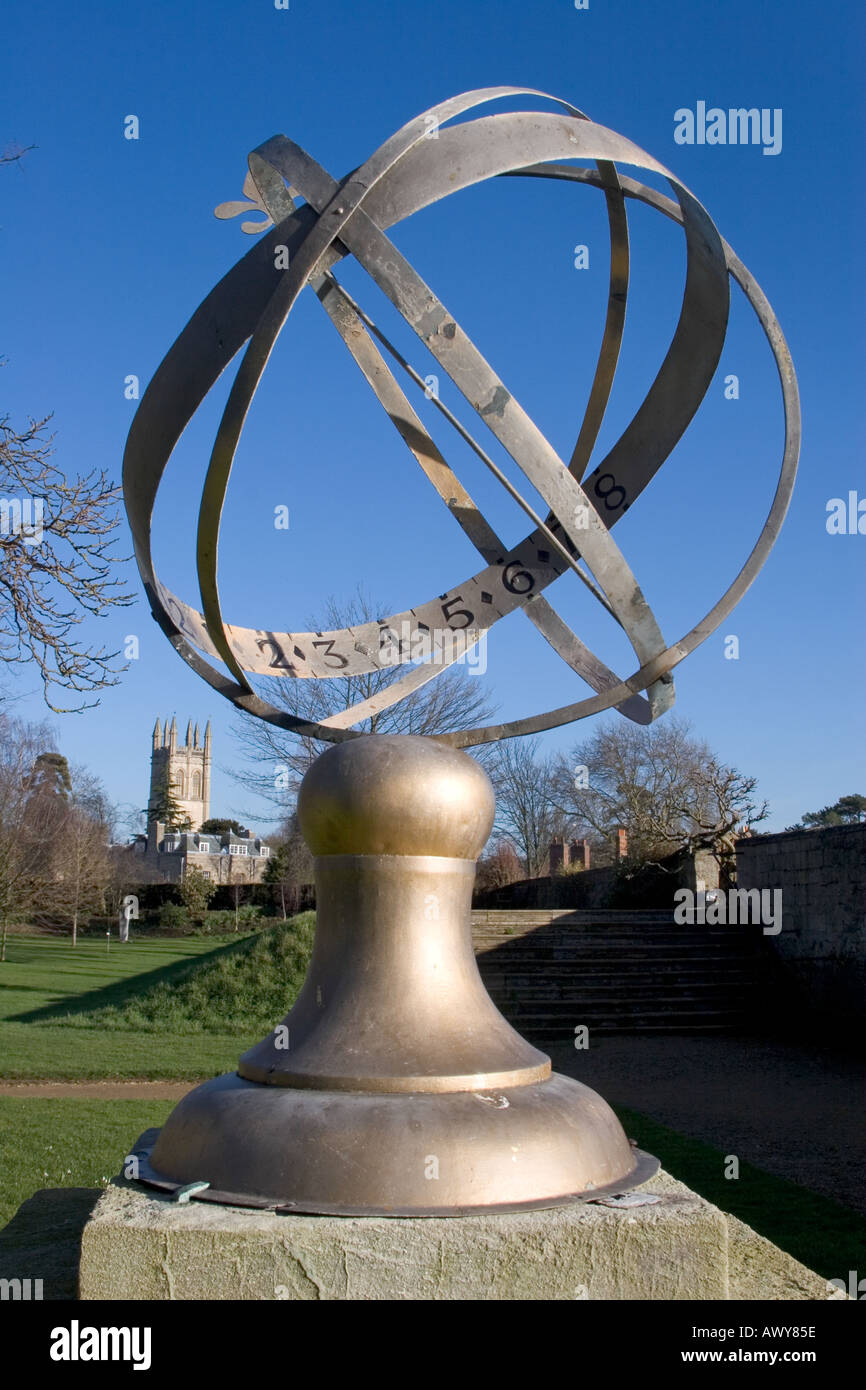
x=252, y=303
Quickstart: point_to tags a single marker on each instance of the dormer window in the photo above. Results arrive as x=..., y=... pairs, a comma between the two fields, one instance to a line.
x=237, y=849
x=204, y=847
x=264, y=851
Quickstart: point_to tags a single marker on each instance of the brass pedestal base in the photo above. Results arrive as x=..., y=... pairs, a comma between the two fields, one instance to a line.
x=345, y=1154
x=394, y=1086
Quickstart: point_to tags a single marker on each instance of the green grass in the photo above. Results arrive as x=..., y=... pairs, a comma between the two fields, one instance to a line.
x=824, y=1235
x=247, y=985
x=73, y=1145
x=67, y=1143
x=47, y=975
x=29, y=1053
x=85, y=1013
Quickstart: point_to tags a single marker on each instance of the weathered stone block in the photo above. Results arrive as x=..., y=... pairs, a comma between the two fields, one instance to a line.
x=140, y=1245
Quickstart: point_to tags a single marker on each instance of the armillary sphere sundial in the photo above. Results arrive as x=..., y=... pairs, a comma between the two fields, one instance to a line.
x=394, y=1085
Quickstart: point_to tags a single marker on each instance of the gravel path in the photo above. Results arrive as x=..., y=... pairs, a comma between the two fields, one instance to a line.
x=98, y=1090
x=794, y=1110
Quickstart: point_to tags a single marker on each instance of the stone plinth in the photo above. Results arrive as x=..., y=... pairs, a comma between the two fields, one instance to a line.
x=141, y=1245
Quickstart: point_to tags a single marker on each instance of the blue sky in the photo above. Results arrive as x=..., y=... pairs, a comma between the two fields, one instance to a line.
x=107, y=246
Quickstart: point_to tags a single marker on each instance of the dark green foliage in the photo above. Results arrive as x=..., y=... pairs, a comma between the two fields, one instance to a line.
x=173, y=916
x=165, y=807
x=848, y=810
x=220, y=826
x=196, y=892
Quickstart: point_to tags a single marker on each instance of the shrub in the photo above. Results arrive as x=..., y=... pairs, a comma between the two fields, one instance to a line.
x=174, y=917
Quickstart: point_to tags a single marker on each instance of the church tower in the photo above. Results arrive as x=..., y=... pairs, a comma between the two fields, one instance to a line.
x=184, y=768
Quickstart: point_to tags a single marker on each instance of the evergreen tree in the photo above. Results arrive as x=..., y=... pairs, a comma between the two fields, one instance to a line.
x=165, y=807
x=196, y=892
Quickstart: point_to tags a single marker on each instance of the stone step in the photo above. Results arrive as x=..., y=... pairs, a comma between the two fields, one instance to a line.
x=618, y=923
x=568, y=979
x=549, y=971
x=578, y=931
x=530, y=1022
x=600, y=914
x=548, y=1037
x=603, y=993
x=524, y=945
x=581, y=929
x=589, y=990
x=611, y=960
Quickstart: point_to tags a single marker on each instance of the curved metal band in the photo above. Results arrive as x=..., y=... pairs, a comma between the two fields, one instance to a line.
x=352, y=325
x=467, y=369
x=635, y=462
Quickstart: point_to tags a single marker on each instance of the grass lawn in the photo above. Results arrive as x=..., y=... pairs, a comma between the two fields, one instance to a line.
x=70, y=1146
x=67, y=1143
x=44, y=978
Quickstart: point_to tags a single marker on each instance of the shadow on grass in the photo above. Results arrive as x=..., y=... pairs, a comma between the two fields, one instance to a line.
x=824, y=1235
x=43, y=1240
x=121, y=991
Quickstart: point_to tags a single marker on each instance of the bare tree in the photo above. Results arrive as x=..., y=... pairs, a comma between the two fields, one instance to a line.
x=524, y=810
x=31, y=816
x=79, y=854
x=452, y=700
x=290, y=866
x=13, y=153
x=667, y=789
x=57, y=566
x=83, y=870
x=498, y=867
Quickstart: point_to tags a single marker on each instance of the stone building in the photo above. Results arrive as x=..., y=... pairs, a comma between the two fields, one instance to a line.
x=184, y=769
x=227, y=858
x=166, y=853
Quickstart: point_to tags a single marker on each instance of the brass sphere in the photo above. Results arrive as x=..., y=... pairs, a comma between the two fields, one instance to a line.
x=362, y=797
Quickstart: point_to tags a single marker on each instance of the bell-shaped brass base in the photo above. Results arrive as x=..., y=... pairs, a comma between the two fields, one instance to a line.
x=394, y=1086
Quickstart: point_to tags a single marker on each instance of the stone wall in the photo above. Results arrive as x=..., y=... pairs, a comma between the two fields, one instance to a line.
x=822, y=875
x=591, y=888
x=622, y=885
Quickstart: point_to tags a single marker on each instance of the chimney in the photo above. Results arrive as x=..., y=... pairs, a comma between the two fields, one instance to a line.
x=155, y=834
x=622, y=843
x=580, y=853
x=556, y=856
